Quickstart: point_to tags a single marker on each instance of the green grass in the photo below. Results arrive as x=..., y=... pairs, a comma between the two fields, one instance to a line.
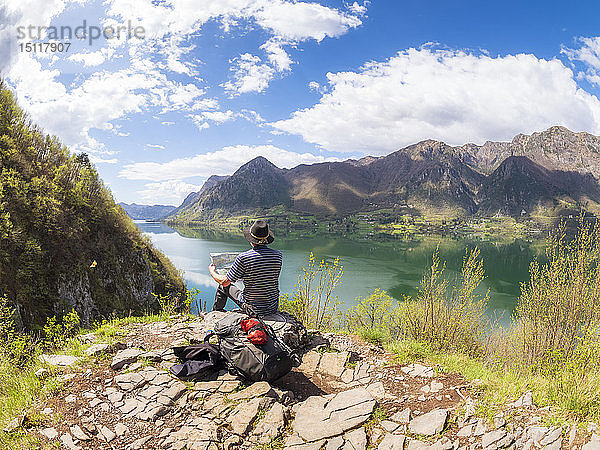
x=20, y=388
x=572, y=400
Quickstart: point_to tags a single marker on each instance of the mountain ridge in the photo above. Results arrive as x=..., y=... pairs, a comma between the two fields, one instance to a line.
x=547, y=169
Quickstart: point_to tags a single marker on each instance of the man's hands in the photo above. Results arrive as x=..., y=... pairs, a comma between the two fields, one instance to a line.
x=221, y=279
x=248, y=309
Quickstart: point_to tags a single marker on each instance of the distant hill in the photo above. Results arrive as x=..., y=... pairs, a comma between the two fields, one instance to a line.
x=546, y=171
x=64, y=242
x=147, y=212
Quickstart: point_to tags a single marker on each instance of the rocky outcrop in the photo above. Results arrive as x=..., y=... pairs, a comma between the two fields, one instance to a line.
x=355, y=399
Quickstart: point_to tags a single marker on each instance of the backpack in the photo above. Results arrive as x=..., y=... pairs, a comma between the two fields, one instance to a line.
x=200, y=362
x=254, y=362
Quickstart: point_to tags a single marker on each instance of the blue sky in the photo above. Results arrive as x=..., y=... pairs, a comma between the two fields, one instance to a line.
x=215, y=83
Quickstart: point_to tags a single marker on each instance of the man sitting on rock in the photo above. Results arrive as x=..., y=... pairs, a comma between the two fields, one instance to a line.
x=259, y=268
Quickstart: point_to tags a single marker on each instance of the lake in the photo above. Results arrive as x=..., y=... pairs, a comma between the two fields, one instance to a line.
x=395, y=265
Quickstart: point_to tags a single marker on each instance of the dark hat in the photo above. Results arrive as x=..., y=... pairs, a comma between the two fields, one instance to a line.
x=259, y=233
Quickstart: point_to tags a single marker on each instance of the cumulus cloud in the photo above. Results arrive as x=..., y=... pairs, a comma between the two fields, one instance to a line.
x=588, y=53
x=169, y=192
x=250, y=74
x=73, y=112
x=220, y=162
x=453, y=96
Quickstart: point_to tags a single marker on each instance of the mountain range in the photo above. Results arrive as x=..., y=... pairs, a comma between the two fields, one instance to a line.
x=548, y=172
x=146, y=212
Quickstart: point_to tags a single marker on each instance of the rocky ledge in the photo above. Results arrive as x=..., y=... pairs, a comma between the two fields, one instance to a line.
x=347, y=394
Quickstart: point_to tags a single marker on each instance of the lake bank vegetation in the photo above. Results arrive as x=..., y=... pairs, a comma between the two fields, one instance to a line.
x=550, y=346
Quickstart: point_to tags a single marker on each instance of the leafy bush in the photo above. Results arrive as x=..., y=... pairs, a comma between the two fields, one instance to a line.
x=312, y=300
x=57, y=333
x=558, y=313
x=448, y=317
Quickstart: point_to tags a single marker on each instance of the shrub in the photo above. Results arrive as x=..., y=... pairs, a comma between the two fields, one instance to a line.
x=374, y=317
x=448, y=317
x=312, y=299
x=57, y=333
x=558, y=312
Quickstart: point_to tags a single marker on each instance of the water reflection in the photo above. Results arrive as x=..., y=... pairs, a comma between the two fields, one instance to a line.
x=390, y=263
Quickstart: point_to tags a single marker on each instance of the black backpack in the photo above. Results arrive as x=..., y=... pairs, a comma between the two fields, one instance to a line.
x=266, y=362
x=200, y=362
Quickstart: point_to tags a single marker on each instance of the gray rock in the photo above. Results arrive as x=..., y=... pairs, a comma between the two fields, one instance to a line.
x=319, y=418
x=466, y=431
x=389, y=426
x=259, y=389
x=335, y=443
x=71, y=398
x=537, y=433
x=60, y=360
x=49, y=433
x=121, y=429
x=244, y=414
x=332, y=364
x=140, y=443
x=123, y=357
x=357, y=439
x=430, y=423
x=130, y=381
x=310, y=362
x=403, y=416
x=377, y=390
x=593, y=444
x=492, y=437
x=525, y=400
x=67, y=441
x=78, y=433
x=415, y=444
x=107, y=434
x=174, y=391
x=481, y=428
x=551, y=436
x=271, y=424
x=417, y=370
x=436, y=386
x=347, y=375
x=392, y=442
x=98, y=349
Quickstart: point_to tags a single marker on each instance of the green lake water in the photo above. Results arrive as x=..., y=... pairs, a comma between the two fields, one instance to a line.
x=392, y=264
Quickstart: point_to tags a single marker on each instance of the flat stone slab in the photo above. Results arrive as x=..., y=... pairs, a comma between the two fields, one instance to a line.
x=98, y=349
x=60, y=360
x=320, y=418
x=259, y=389
x=332, y=364
x=123, y=357
x=417, y=370
x=429, y=424
x=392, y=442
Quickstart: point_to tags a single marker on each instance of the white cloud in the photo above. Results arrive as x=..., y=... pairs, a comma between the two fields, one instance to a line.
x=91, y=59
x=169, y=192
x=356, y=8
x=298, y=21
x=589, y=54
x=453, y=96
x=221, y=162
x=205, y=118
x=250, y=74
x=156, y=146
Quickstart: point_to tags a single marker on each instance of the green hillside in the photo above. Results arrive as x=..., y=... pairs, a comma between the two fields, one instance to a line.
x=64, y=242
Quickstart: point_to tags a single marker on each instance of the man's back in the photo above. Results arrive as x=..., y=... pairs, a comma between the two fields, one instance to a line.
x=259, y=268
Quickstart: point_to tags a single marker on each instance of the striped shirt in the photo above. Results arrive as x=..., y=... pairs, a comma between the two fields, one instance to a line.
x=259, y=268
